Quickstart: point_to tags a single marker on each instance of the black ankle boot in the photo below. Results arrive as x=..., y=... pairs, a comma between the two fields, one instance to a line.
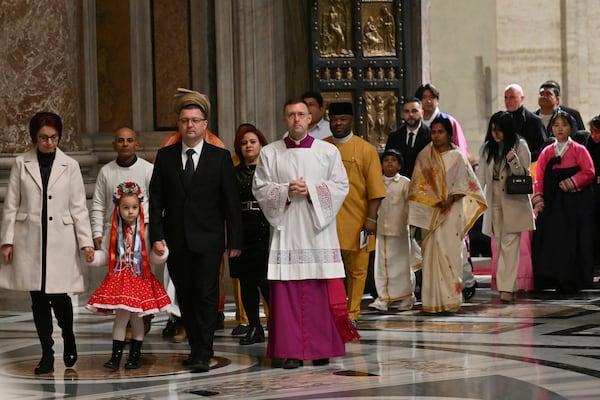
x=133, y=361
x=45, y=365
x=70, y=350
x=117, y=353
x=255, y=335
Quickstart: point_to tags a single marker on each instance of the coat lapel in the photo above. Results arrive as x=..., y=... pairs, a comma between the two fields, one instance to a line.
x=59, y=167
x=33, y=167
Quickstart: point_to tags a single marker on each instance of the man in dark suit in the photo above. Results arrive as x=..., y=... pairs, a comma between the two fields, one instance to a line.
x=402, y=140
x=193, y=198
x=529, y=125
x=549, y=102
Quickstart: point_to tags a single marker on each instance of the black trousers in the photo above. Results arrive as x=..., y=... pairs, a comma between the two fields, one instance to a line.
x=196, y=279
x=249, y=289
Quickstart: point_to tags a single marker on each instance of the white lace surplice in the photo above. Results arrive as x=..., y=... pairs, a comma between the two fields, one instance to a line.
x=304, y=242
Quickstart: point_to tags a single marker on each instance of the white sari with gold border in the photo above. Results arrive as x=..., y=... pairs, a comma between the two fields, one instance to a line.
x=436, y=177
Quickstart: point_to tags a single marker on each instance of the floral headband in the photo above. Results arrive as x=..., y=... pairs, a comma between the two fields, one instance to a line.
x=127, y=188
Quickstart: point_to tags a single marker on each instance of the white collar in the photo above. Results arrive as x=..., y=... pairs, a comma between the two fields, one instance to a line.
x=561, y=148
x=388, y=179
x=197, y=148
x=345, y=139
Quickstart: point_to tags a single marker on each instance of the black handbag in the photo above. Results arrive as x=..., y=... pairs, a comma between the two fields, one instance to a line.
x=519, y=184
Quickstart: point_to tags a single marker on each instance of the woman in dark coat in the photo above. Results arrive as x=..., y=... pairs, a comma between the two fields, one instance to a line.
x=251, y=267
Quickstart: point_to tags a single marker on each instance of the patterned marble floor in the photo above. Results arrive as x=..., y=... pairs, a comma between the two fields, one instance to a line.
x=544, y=347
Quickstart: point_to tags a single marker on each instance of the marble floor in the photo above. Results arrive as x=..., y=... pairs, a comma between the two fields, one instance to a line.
x=543, y=347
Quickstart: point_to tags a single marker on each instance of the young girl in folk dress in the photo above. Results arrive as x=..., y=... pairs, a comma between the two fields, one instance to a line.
x=129, y=289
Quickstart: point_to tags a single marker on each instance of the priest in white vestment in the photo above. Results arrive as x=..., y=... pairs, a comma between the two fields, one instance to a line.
x=300, y=184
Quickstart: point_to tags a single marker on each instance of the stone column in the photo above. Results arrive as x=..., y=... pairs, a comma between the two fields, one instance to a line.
x=40, y=55
x=251, y=67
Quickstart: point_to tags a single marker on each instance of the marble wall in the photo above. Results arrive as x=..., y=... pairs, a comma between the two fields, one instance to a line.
x=171, y=44
x=113, y=64
x=40, y=53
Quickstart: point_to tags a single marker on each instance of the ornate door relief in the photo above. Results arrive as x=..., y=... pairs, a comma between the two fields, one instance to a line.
x=358, y=55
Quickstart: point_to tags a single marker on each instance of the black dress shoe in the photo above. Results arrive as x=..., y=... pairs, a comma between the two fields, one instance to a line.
x=170, y=329
x=469, y=292
x=200, y=366
x=45, y=365
x=277, y=362
x=321, y=362
x=254, y=335
x=186, y=362
x=240, y=330
x=292, y=363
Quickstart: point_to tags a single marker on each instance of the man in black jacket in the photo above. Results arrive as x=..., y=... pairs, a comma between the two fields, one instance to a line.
x=549, y=102
x=529, y=125
x=412, y=137
x=193, y=198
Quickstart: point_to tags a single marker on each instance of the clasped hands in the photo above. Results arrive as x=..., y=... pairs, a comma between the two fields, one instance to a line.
x=298, y=187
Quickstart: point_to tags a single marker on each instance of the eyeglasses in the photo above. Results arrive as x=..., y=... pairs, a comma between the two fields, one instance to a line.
x=299, y=115
x=44, y=138
x=195, y=121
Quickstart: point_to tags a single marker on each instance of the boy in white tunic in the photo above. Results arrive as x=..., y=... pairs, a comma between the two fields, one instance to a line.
x=394, y=277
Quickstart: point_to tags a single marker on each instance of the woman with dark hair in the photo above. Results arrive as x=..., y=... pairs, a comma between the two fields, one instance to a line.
x=564, y=201
x=445, y=200
x=503, y=154
x=251, y=267
x=40, y=247
x=593, y=147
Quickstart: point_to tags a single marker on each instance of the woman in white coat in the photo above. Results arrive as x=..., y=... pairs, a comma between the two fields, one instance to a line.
x=45, y=223
x=504, y=153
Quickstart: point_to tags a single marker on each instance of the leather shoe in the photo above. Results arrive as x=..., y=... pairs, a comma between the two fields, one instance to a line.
x=255, y=335
x=506, y=297
x=200, y=366
x=321, y=362
x=277, y=362
x=45, y=365
x=469, y=292
x=292, y=363
x=186, y=362
x=170, y=329
x=240, y=330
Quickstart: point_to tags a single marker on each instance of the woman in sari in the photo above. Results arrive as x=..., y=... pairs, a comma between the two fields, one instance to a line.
x=445, y=199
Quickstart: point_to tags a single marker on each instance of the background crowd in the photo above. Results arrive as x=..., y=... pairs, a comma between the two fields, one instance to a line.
x=298, y=220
